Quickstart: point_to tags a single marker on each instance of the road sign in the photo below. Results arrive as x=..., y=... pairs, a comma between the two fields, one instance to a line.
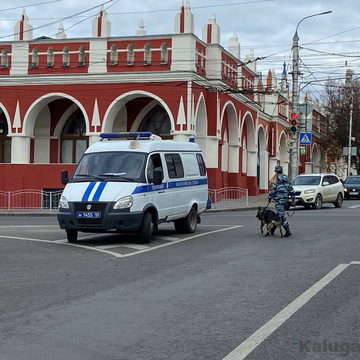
x=346, y=151
x=302, y=150
x=305, y=138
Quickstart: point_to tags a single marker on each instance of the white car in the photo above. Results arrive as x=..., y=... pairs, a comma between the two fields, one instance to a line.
x=312, y=190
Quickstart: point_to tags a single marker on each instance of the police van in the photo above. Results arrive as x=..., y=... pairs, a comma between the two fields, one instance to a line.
x=133, y=182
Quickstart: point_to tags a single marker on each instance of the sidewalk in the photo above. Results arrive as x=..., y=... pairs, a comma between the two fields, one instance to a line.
x=253, y=203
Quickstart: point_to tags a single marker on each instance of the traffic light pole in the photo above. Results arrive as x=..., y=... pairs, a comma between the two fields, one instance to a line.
x=294, y=152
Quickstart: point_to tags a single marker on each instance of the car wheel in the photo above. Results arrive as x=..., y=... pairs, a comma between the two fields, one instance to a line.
x=188, y=224
x=339, y=201
x=72, y=235
x=147, y=228
x=318, y=202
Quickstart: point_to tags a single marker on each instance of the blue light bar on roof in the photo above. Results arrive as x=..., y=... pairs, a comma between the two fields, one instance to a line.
x=127, y=135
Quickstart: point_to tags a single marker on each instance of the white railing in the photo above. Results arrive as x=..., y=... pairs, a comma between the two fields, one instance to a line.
x=230, y=197
x=30, y=199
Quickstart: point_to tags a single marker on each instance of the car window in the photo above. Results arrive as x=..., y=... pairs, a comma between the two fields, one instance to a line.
x=154, y=162
x=201, y=164
x=352, y=180
x=326, y=179
x=307, y=180
x=334, y=180
x=174, y=166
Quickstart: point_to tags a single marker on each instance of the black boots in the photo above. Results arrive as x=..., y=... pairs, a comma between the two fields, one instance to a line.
x=273, y=230
x=287, y=229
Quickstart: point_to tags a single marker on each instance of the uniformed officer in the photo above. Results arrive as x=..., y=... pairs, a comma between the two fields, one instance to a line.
x=280, y=191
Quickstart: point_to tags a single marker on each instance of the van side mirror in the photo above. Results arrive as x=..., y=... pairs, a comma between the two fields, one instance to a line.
x=64, y=177
x=158, y=176
x=325, y=183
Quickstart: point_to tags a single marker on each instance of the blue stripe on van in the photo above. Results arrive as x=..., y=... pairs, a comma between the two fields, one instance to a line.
x=170, y=185
x=99, y=191
x=88, y=191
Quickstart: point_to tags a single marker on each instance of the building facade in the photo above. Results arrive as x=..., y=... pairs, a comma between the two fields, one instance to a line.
x=58, y=94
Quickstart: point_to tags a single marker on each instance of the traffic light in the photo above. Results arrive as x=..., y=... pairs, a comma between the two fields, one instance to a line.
x=293, y=122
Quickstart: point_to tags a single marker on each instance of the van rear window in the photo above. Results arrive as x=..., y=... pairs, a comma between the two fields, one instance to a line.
x=201, y=164
x=174, y=166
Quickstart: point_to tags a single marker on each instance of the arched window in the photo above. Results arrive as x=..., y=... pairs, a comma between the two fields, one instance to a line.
x=130, y=54
x=73, y=140
x=113, y=54
x=50, y=57
x=157, y=121
x=164, y=54
x=34, y=58
x=147, y=54
x=5, y=142
x=81, y=56
x=4, y=58
x=66, y=57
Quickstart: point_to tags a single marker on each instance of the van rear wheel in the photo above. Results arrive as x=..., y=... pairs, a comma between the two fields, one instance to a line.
x=147, y=228
x=72, y=235
x=188, y=224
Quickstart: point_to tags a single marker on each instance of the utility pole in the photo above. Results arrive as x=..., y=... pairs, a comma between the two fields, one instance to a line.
x=348, y=82
x=294, y=152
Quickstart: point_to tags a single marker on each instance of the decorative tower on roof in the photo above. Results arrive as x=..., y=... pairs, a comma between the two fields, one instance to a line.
x=23, y=29
x=101, y=25
x=234, y=46
x=269, y=79
x=250, y=60
x=184, y=20
x=211, y=31
x=61, y=32
x=141, y=30
x=284, y=82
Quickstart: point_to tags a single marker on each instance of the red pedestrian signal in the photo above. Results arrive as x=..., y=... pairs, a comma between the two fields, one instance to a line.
x=293, y=122
x=294, y=116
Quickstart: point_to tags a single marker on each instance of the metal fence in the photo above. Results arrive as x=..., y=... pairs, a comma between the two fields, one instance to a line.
x=230, y=197
x=30, y=199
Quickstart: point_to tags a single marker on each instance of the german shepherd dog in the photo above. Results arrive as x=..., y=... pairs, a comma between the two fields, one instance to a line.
x=270, y=219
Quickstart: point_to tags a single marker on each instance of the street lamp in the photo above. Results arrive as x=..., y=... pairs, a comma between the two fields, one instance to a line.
x=294, y=153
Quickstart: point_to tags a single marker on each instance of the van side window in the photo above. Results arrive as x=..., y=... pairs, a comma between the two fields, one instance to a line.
x=201, y=164
x=154, y=162
x=174, y=166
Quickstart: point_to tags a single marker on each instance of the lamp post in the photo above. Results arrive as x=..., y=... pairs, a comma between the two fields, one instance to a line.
x=294, y=152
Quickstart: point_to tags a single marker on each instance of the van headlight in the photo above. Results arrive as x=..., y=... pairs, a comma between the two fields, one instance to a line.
x=311, y=191
x=124, y=203
x=63, y=203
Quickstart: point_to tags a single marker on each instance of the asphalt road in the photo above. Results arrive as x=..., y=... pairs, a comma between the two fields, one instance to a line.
x=225, y=292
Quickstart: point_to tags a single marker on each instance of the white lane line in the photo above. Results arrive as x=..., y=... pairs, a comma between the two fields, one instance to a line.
x=128, y=245
x=28, y=226
x=253, y=341
x=168, y=238
x=353, y=207
x=355, y=263
x=182, y=240
x=61, y=242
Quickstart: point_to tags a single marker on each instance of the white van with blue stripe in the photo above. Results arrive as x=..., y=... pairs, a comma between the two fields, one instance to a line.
x=133, y=182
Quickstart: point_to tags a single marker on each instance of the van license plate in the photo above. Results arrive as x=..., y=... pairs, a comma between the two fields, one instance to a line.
x=88, y=214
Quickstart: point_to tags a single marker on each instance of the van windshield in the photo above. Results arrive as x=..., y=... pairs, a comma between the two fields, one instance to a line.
x=112, y=166
x=307, y=180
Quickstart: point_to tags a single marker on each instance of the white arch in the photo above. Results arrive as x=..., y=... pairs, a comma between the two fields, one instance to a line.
x=7, y=117
x=142, y=114
x=35, y=108
x=64, y=118
x=250, y=131
x=232, y=122
x=115, y=106
x=201, y=106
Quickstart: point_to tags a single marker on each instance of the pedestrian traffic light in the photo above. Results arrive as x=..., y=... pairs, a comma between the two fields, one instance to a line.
x=293, y=122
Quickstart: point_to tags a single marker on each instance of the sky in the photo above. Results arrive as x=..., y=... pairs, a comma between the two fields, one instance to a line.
x=330, y=43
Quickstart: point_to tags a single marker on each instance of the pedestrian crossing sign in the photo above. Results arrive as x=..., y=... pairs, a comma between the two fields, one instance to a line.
x=305, y=138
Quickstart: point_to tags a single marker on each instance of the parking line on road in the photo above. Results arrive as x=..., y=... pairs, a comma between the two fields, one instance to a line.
x=167, y=238
x=254, y=340
x=182, y=240
x=353, y=207
x=355, y=263
x=27, y=239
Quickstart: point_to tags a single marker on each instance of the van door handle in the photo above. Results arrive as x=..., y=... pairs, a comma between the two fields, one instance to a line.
x=161, y=192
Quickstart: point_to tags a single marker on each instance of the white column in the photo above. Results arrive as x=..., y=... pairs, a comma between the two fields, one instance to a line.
x=93, y=139
x=20, y=150
x=272, y=163
x=234, y=158
x=251, y=163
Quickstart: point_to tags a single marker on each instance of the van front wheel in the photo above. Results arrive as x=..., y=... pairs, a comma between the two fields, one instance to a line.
x=72, y=235
x=188, y=224
x=147, y=228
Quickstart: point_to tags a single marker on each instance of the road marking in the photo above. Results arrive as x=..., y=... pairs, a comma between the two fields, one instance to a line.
x=27, y=226
x=254, y=340
x=353, y=206
x=355, y=263
x=26, y=239
x=182, y=240
x=128, y=245
x=168, y=238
